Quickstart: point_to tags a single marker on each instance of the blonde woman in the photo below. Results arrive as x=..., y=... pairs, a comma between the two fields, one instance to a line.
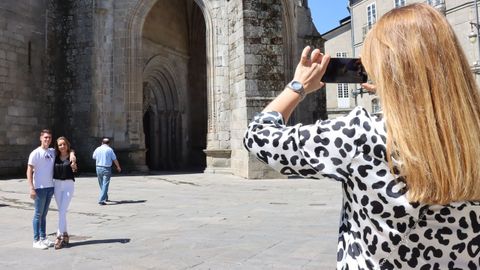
x=63, y=177
x=410, y=180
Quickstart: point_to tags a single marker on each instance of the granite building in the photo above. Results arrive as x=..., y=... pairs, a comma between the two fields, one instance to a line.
x=172, y=83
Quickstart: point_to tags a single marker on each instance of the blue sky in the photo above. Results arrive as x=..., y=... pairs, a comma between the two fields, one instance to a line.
x=327, y=13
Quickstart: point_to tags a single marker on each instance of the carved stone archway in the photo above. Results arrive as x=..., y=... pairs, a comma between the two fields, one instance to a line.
x=132, y=82
x=162, y=117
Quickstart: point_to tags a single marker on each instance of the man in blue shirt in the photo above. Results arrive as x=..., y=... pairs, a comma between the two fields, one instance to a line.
x=104, y=157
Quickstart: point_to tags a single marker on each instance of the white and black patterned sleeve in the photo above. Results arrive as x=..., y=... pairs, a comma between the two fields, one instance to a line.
x=325, y=148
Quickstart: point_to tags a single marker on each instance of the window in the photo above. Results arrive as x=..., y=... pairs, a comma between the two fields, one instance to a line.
x=342, y=90
x=436, y=2
x=439, y=5
x=371, y=14
x=399, y=3
x=342, y=96
x=343, y=101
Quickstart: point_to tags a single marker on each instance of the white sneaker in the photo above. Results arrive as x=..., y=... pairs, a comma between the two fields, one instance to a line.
x=39, y=244
x=47, y=242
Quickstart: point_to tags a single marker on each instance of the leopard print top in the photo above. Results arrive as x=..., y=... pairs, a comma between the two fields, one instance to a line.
x=376, y=215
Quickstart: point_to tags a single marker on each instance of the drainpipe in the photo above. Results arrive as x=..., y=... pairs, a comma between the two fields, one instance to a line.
x=477, y=26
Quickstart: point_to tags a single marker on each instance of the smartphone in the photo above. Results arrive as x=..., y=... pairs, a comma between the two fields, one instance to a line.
x=345, y=70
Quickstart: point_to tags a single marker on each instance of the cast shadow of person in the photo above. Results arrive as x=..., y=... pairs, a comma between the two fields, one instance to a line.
x=111, y=202
x=99, y=241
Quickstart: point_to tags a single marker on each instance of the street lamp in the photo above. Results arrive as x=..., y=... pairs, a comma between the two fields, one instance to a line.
x=473, y=35
x=359, y=91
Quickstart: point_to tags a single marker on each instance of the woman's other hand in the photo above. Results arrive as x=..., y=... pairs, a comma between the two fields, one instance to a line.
x=371, y=88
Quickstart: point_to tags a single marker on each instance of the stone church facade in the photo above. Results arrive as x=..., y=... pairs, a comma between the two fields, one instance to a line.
x=172, y=83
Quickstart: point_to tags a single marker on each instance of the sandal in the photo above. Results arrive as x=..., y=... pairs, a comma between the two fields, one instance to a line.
x=59, y=242
x=66, y=238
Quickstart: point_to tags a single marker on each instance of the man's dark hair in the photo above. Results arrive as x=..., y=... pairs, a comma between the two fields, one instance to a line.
x=105, y=140
x=48, y=131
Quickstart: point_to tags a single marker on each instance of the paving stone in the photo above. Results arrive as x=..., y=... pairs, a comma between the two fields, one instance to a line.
x=180, y=221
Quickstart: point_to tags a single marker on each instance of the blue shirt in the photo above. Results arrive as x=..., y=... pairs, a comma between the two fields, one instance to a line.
x=104, y=156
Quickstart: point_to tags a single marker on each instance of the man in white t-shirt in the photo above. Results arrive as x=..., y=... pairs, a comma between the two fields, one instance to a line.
x=40, y=181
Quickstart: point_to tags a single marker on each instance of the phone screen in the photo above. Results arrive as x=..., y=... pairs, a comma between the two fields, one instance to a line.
x=345, y=70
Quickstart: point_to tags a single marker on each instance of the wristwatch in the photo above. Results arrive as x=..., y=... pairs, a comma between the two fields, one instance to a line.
x=297, y=87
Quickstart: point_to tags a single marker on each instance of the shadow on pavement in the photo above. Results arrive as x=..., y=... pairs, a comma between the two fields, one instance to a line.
x=124, y=202
x=102, y=241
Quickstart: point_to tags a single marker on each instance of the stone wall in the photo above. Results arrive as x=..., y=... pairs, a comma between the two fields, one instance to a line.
x=84, y=79
x=237, y=158
x=45, y=76
x=224, y=34
x=313, y=107
x=265, y=75
x=275, y=33
x=70, y=73
x=25, y=101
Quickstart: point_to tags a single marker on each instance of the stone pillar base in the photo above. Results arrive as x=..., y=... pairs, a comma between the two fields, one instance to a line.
x=218, y=161
x=132, y=160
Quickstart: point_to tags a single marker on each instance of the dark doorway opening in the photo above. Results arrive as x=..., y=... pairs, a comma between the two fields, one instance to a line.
x=175, y=87
x=147, y=131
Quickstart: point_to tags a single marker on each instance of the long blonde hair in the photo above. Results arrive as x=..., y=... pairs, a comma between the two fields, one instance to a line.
x=430, y=103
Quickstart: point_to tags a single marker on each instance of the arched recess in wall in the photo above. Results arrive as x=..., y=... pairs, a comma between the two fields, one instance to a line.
x=132, y=82
x=162, y=117
x=210, y=63
x=131, y=43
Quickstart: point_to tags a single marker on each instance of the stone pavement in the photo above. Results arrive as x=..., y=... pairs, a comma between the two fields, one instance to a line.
x=180, y=221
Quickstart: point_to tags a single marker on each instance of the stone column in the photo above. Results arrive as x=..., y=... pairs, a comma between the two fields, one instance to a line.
x=218, y=152
x=102, y=61
x=109, y=108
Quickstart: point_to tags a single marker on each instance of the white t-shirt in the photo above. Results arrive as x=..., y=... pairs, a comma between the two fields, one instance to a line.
x=42, y=161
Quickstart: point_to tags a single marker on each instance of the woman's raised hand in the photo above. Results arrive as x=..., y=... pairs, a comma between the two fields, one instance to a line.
x=310, y=70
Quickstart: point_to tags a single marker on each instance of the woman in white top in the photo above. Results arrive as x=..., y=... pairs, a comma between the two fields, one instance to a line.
x=63, y=177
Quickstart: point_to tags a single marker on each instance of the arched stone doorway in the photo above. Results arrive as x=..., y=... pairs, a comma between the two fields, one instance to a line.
x=162, y=121
x=174, y=86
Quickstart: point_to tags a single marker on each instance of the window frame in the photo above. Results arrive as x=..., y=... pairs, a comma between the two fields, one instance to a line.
x=342, y=90
x=371, y=14
x=399, y=3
